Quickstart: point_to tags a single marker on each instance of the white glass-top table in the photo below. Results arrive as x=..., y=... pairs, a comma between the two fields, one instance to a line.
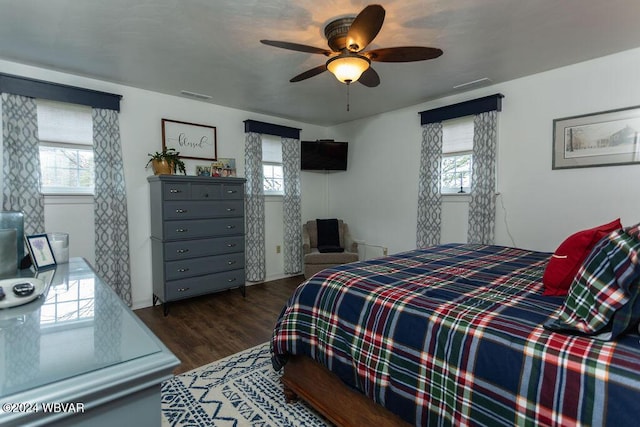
x=79, y=346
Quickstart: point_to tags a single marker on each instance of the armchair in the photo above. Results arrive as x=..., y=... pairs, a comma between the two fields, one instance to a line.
x=314, y=260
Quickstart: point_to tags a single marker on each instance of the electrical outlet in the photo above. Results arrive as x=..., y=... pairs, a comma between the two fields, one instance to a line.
x=277, y=249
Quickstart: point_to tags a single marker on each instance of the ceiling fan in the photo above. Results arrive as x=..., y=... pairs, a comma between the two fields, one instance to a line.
x=347, y=38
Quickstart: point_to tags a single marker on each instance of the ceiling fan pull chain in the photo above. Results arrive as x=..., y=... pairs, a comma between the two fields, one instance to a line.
x=348, y=84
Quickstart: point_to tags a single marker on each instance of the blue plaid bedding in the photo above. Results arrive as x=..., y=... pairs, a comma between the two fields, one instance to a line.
x=452, y=335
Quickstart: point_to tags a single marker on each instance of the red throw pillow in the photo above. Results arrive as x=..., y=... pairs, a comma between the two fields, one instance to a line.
x=567, y=259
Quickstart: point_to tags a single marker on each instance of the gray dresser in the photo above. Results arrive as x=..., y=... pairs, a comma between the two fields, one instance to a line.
x=197, y=236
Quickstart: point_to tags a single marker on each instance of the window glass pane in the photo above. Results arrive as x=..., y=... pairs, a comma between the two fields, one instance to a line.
x=66, y=170
x=273, y=179
x=456, y=173
x=273, y=185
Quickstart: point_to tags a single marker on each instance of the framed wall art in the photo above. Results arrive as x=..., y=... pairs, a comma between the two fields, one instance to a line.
x=191, y=140
x=40, y=251
x=606, y=138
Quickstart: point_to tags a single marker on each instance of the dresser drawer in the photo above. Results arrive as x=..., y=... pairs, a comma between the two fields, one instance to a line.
x=203, y=247
x=202, y=209
x=176, y=191
x=194, y=228
x=233, y=191
x=199, y=266
x=185, y=288
x=206, y=191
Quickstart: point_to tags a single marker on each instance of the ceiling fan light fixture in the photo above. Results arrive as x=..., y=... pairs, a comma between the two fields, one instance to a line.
x=348, y=67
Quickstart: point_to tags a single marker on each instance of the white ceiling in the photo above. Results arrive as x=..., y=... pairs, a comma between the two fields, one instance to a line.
x=212, y=46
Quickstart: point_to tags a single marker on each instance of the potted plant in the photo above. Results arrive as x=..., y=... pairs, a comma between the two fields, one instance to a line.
x=166, y=162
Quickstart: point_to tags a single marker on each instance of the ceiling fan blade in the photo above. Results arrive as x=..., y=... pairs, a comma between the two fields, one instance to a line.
x=309, y=73
x=365, y=27
x=403, y=54
x=370, y=78
x=297, y=47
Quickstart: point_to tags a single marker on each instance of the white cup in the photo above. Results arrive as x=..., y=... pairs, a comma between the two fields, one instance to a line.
x=60, y=246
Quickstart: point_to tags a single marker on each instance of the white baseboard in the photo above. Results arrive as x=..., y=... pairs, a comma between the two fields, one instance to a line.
x=273, y=277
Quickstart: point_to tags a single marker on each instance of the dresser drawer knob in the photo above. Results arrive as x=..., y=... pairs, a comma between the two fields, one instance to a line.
x=182, y=251
x=182, y=230
x=174, y=191
x=231, y=262
x=183, y=289
x=232, y=191
x=230, y=209
x=181, y=211
x=231, y=245
x=231, y=227
x=205, y=195
x=182, y=270
x=233, y=279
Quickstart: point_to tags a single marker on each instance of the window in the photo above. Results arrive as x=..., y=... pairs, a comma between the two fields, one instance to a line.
x=66, y=148
x=273, y=183
x=457, y=156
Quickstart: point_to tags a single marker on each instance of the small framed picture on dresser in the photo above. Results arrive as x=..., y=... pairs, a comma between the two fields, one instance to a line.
x=203, y=170
x=224, y=167
x=40, y=251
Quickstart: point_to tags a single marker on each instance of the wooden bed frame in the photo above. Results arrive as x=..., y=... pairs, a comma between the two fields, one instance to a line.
x=325, y=392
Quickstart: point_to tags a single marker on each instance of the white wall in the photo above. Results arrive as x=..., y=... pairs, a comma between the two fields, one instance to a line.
x=140, y=115
x=545, y=205
x=378, y=194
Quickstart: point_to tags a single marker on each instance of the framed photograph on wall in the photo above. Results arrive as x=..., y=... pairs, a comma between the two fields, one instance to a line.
x=40, y=251
x=606, y=138
x=191, y=140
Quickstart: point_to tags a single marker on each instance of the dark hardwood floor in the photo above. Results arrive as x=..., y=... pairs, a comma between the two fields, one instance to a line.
x=203, y=329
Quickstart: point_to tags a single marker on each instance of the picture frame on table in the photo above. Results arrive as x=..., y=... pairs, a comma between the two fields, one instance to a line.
x=606, y=138
x=40, y=251
x=191, y=140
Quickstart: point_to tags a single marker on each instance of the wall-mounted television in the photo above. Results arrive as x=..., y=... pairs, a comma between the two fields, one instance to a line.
x=323, y=154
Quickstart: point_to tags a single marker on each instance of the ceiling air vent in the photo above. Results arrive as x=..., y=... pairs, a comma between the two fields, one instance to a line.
x=195, y=95
x=483, y=80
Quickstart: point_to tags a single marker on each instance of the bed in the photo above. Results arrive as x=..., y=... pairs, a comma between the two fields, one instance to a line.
x=450, y=335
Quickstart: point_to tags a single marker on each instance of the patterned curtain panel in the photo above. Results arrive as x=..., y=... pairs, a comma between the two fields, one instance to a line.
x=110, y=205
x=482, y=208
x=254, y=208
x=292, y=206
x=429, y=200
x=21, y=161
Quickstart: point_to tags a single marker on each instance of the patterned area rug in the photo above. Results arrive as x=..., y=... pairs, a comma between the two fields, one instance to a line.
x=239, y=390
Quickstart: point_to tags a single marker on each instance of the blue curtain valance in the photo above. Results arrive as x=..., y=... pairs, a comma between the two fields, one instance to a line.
x=255, y=126
x=466, y=108
x=58, y=92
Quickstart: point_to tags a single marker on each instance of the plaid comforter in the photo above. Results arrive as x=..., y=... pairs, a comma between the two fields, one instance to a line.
x=452, y=335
